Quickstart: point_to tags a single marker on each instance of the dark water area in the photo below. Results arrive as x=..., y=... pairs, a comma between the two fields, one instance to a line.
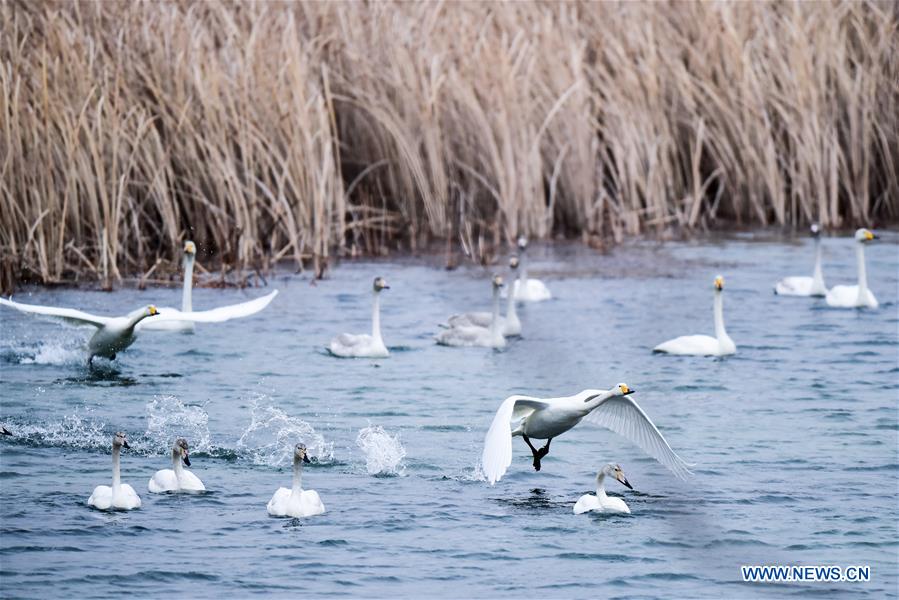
x=794, y=438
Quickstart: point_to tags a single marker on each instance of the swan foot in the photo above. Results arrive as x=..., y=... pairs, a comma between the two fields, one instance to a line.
x=538, y=454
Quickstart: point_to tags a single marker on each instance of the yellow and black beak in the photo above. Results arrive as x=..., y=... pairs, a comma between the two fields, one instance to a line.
x=623, y=480
x=153, y=310
x=626, y=391
x=719, y=283
x=870, y=235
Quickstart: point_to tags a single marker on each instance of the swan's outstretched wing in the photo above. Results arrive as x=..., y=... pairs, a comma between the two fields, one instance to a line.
x=69, y=315
x=497, y=454
x=217, y=315
x=625, y=417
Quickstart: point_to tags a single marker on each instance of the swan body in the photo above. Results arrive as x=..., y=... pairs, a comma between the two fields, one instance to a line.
x=704, y=345
x=296, y=502
x=476, y=335
x=855, y=296
x=113, y=334
x=601, y=502
x=526, y=289
x=530, y=417
x=120, y=496
x=509, y=324
x=176, y=479
x=348, y=345
x=805, y=286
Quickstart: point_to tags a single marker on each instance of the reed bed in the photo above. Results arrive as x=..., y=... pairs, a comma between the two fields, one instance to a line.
x=272, y=131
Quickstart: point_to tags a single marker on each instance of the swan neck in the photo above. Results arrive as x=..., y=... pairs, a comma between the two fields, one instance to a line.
x=376, y=317
x=601, y=487
x=510, y=306
x=494, y=321
x=523, y=271
x=176, y=463
x=862, y=272
x=818, y=275
x=116, y=474
x=186, y=304
x=134, y=320
x=720, y=332
x=595, y=402
x=297, y=475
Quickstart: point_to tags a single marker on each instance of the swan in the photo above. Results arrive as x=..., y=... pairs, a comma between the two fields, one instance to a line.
x=473, y=335
x=510, y=324
x=120, y=496
x=176, y=479
x=548, y=418
x=805, y=286
x=704, y=345
x=296, y=502
x=347, y=345
x=855, y=296
x=600, y=502
x=113, y=334
x=525, y=289
x=172, y=319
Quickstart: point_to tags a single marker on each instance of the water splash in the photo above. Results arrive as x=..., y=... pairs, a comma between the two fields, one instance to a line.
x=384, y=453
x=169, y=418
x=83, y=432
x=46, y=353
x=272, y=434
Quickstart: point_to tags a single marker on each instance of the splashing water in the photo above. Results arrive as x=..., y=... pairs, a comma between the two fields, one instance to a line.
x=169, y=418
x=384, y=453
x=48, y=353
x=73, y=431
x=272, y=434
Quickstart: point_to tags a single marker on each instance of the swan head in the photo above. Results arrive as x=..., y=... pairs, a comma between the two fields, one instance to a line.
x=622, y=389
x=719, y=283
x=380, y=284
x=497, y=282
x=864, y=235
x=120, y=441
x=613, y=470
x=190, y=248
x=151, y=311
x=815, y=230
x=522, y=243
x=182, y=450
x=299, y=453
x=513, y=262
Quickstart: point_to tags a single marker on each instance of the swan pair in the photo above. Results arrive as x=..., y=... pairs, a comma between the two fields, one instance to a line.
x=525, y=289
x=704, y=345
x=510, y=324
x=348, y=345
x=547, y=418
x=296, y=502
x=470, y=334
x=601, y=502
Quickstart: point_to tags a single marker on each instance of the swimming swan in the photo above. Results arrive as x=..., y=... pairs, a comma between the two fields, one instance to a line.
x=113, y=334
x=548, y=418
x=600, y=502
x=473, y=335
x=296, y=502
x=172, y=319
x=855, y=296
x=120, y=496
x=176, y=479
x=704, y=345
x=525, y=289
x=805, y=286
x=347, y=345
x=509, y=324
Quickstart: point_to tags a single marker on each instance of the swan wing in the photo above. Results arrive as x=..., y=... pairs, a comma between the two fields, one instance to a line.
x=163, y=480
x=69, y=315
x=497, y=455
x=191, y=482
x=277, y=506
x=625, y=417
x=585, y=503
x=220, y=314
x=128, y=498
x=794, y=286
x=690, y=345
x=475, y=319
x=101, y=497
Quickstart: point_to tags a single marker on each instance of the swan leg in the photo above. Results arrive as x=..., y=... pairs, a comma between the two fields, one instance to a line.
x=538, y=454
x=534, y=451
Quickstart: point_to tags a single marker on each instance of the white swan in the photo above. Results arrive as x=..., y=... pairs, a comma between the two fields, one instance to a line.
x=113, y=334
x=120, y=496
x=548, y=418
x=172, y=319
x=510, y=323
x=347, y=345
x=805, y=286
x=473, y=335
x=525, y=289
x=704, y=345
x=296, y=502
x=176, y=479
x=600, y=502
x=855, y=296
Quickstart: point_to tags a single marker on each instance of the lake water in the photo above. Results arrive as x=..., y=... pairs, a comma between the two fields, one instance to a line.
x=794, y=438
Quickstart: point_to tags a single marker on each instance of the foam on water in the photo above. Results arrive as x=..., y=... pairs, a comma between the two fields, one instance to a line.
x=169, y=418
x=272, y=434
x=77, y=430
x=48, y=353
x=384, y=453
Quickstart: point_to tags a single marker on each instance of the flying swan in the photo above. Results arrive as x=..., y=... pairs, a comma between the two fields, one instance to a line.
x=473, y=335
x=525, y=289
x=548, y=418
x=855, y=296
x=120, y=496
x=509, y=324
x=347, y=345
x=176, y=479
x=296, y=502
x=805, y=286
x=600, y=502
x=704, y=345
x=172, y=319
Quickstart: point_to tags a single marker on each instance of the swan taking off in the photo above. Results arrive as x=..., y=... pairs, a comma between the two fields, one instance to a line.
x=525, y=289
x=296, y=502
x=176, y=479
x=473, y=335
x=510, y=324
x=600, y=502
x=805, y=286
x=548, y=418
x=172, y=319
x=704, y=345
x=347, y=345
x=855, y=296
x=120, y=496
